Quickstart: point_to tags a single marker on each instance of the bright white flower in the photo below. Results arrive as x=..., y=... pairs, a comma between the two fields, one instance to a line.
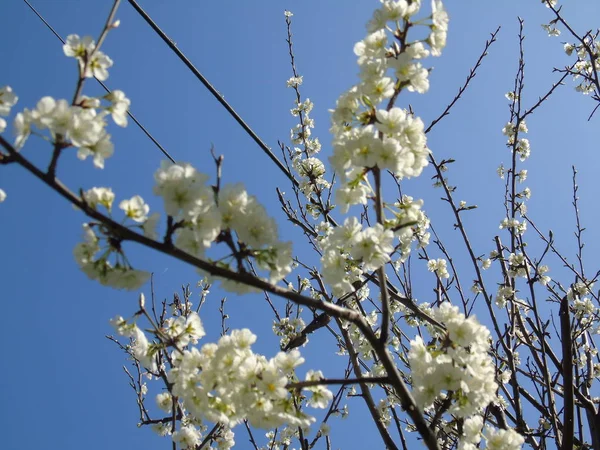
x=162, y=429
x=8, y=99
x=321, y=396
x=182, y=189
x=439, y=267
x=164, y=400
x=310, y=167
x=122, y=327
x=437, y=42
x=288, y=361
x=277, y=259
x=377, y=90
x=98, y=66
x=135, y=208
x=569, y=48
x=416, y=75
x=254, y=227
x=53, y=115
x=2, y=195
x=2, y=125
x=100, y=150
x=77, y=47
x=294, y=82
x=99, y=196
x=439, y=29
x=85, y=128
x=518, y=266
x=439, y=15
x=187, y=437
x=185, y=329
x=391, y=122
x=394, y=10
x=119, y=107
x=89, y=102
x=472, y=427
x=346, y=107
x=463, y=369
x=373, y=46
x=141, y=350
x=225, y=439
x=228, y=382
x=522, y=175
x=498, y=439
x=583, y=307
x=373, y=247
x=551, y=29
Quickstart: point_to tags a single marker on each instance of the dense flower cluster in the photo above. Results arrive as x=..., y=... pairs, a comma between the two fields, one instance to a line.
x=366, y=135
x=200, y=221
x=439, y=267
x=224, y=382
x=348, y=250
x=496, y=439
x=202, y=216
x=369, y=136
x=454, y=365
x=81, y=124
x=227, y=382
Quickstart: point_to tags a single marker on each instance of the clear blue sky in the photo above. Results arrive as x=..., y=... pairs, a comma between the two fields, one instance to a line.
x=61, y=381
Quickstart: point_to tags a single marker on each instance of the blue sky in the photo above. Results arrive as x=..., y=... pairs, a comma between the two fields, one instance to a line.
x=61, y=381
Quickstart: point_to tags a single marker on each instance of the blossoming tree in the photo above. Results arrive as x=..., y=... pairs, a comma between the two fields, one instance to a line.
x=508, y=360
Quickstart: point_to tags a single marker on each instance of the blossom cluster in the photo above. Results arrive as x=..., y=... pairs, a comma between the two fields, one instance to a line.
x=496, y=439
x=223, y=382
x=367, y=135
x=92, y=62
x=454, y=365
x=200, y=217
x=82, y=126
x=348, y=250
x=582, y=305
x=227, y=382
x=584, y=70
x=585, y=67
x=439, y=266
x=82, y=123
